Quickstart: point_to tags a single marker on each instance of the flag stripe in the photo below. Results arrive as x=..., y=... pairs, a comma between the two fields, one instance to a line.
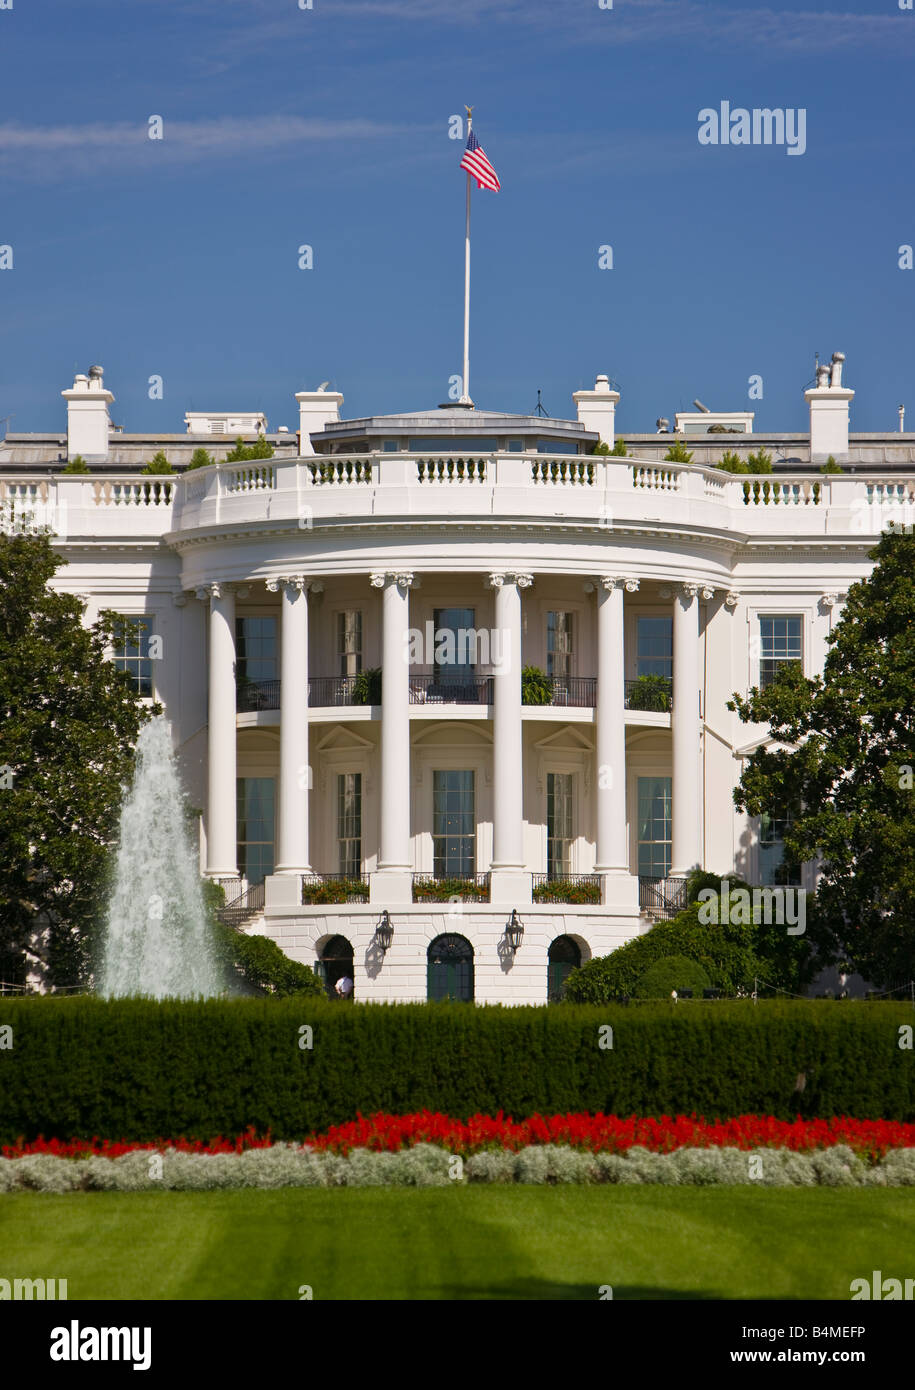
x=478, y=166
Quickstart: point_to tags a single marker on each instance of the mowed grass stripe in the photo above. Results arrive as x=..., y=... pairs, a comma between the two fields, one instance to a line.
x=461, y=1243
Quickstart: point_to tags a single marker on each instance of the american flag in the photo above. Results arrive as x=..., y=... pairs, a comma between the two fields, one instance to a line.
x=476, y=163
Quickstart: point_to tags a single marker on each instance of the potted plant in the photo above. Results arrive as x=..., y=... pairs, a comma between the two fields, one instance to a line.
x=536, y=687
x=650, y=693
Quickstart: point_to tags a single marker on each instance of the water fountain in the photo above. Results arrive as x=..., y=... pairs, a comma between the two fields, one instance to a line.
x=157, y=939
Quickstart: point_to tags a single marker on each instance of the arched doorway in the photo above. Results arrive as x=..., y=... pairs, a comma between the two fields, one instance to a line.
x=336, y=961
x=449, y=973
x=564, y=956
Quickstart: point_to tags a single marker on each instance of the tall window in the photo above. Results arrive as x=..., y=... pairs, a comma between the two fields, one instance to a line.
x=131, y=651
x=255, y=649
x=654, y=827
x=559, y=644
x=558, y=824
x=455, y=654
x=349, y=642
x=349, y=824
x=773, y=867
x=654, y=647
x=453, y=824
x=779, y=643
x=563, y=957
x=256, y=827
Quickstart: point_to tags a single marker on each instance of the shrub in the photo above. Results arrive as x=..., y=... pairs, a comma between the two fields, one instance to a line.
x=672, y=973
x=566, y=890
x=367, y=687
x=759, y=462
x=732, y=463
x=650, y=693
x=619, y=449
x=601, y=447
x=262, y=968
x=335, y=890
x=678, y=453
x=200, y=459
x=830, y=466
x=536, y=686
x=77, y=464
x=144, y=1069
x=444, y=889
x=158, y=464
x=243, y=453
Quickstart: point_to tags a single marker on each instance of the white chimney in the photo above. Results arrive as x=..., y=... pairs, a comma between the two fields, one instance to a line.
x=597, y=409
x=317, y=409
x=829, y=402
x=87, y=416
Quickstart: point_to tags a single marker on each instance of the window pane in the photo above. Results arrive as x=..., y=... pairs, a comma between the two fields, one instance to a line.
x=654, y=826
x=455, y=641
x=349, y=642
x=256, y=827
x=349, y=824
x=256, y=649
x=131, y=650
x=773, y=867
x=453, y=824
x=559, y=823
x=654, y=647
x=559, y=644
x=779, y=643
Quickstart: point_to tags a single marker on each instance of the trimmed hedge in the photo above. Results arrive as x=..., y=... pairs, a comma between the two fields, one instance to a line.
x=143, y=1070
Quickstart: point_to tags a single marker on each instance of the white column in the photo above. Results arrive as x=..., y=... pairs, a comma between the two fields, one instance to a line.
x=392, y=882
x=295, y=770
x=509, y=880
x=685, y=727
x=612, y=849
x=221, y=820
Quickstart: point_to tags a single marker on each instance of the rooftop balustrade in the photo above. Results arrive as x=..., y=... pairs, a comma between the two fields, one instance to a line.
x=597, y=491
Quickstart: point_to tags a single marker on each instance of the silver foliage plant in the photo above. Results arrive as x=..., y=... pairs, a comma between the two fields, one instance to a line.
x=425, y=1165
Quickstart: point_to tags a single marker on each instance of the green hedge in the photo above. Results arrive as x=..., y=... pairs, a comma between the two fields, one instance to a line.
x=136, y=1069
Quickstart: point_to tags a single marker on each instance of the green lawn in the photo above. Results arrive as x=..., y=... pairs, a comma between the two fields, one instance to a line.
x=482, y=1242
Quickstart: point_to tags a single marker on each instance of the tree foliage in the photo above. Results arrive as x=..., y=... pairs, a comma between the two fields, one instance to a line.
x=243, y=452
x=200, y=459
x=841, y=756
x=158, y=464
x=678, y=453
x=70, y=721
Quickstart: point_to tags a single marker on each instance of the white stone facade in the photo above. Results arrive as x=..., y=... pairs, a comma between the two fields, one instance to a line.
x=597, y=570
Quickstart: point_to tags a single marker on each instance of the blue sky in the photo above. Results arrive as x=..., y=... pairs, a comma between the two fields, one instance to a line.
x=330, y=126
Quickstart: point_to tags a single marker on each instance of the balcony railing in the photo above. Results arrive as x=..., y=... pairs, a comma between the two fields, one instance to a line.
x=327, y=691
x=465, y=888
x=651, y=694
x=242, y=901
x=439, y=689
x=333, y=888
x=566, y=888
x=662, y=897
x=570, y=691
x=251, y=696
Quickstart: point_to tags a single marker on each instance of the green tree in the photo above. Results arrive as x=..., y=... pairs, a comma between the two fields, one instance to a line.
x=842, y=754
x=243, y=452
x=619, y=449
x=77, y=464
x=200, y=459
x=602, y=447
x=759, y=462
x=830, y=466
x=70, y=721
x=158, y=464
x=678, y=453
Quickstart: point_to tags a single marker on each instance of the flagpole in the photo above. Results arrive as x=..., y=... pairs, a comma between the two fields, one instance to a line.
x=465, y=381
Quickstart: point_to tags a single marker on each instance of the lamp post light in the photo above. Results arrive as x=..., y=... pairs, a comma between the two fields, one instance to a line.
x=384, y=932
x=515, y=931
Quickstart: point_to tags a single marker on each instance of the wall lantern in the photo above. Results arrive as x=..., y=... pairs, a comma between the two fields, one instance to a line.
x=515, y=931
x=384, y=932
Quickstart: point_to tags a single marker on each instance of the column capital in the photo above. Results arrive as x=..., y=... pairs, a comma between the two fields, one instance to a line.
x=218, y=588
x=300, y=582
x=828, y=601
x=731, y=599
x=404, y=579
x=706, y=592
x=500, y=578
x=615, y=581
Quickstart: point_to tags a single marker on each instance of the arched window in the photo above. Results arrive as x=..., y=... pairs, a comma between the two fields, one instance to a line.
x=564, y=956
x=336, y=961
x=450, y=969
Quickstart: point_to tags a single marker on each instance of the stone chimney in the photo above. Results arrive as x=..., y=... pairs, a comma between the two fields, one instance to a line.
x=317, y=409
x=88, y=422
x=829, y=404
x=597, y=409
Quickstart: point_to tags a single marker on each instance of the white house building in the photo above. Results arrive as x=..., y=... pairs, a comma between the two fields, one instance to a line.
x=338, y=633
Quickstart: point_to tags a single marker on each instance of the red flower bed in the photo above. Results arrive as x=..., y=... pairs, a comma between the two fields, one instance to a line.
x=599, y=1133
